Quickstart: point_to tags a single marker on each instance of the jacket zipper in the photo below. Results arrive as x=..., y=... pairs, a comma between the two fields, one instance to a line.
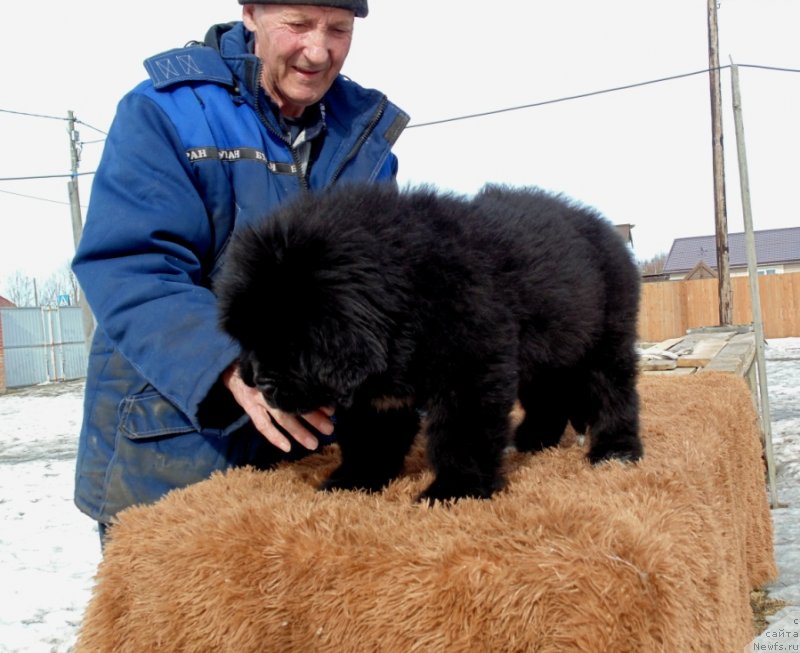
x=295, y=157
x=361, y=139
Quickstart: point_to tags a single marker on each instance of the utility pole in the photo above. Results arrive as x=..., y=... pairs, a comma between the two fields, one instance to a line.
x=755, y=293
x=720, y=211
x=77, y=219
x=72, y=184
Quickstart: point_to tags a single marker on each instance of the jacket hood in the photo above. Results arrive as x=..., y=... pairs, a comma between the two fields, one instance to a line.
x=234, y=42
x=216, y=32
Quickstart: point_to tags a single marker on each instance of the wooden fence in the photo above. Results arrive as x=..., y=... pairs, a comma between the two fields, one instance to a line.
x=669, y=308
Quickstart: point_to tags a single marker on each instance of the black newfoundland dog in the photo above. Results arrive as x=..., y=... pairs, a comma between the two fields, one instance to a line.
x=385, y=303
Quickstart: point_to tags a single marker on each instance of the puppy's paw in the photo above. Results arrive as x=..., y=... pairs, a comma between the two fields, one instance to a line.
x=343, y=479
x=445, y=490
x=626, y=452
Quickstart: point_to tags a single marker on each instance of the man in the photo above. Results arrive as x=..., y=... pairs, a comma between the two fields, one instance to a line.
x=221, y=134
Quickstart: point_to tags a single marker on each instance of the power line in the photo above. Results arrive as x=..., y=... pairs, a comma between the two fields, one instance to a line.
x=49, y=117
x=79, y=174
x=86, y=124
x=33, y=197
x=591, y=94
x=481, y=114
x=559, y=100
x=32, y=115
x=579, y=96
x=441, y=121
x=775, y=68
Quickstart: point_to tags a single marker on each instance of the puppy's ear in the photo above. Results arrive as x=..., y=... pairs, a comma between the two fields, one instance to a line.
x=355, y=350
x=243, y=287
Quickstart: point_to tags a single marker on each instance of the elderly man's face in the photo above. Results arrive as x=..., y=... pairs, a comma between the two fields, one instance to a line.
x=303, y=48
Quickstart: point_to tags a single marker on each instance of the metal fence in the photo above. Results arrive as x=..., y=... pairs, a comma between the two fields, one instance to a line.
x=42, y=345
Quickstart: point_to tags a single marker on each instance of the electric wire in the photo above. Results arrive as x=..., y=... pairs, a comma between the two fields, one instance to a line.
x=35, y=197
x=77, y=174
x=588, y=94
x=568, y=98
x=49, y=117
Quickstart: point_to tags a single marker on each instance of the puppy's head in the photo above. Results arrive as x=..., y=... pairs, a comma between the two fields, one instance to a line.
x=306, y=309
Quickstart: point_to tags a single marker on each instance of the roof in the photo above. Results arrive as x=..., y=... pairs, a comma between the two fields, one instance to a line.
x=701, y=271
x=772, y=246
x=6, y=303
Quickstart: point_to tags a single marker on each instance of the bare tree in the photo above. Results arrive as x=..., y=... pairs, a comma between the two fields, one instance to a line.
x=653, y=265
x=60, y=288
x=20, y=289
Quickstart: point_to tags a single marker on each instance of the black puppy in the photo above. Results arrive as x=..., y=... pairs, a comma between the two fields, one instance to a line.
x=381, y=303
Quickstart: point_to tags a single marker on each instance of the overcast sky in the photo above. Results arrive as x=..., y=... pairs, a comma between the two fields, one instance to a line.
x=641, y=156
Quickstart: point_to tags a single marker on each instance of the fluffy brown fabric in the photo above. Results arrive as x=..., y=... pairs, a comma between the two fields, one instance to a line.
x=658, y=556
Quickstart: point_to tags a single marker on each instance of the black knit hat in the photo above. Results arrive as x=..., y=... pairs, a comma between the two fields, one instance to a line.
x=358, y=7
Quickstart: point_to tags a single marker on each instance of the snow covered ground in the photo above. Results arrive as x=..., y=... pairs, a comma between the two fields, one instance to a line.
x=49, y=551
x=783, y=379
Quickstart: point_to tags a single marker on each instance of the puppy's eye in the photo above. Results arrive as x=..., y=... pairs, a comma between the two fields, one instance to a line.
x=265, y=384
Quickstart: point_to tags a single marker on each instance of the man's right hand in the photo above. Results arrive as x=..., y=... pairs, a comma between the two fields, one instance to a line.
x=268, y=420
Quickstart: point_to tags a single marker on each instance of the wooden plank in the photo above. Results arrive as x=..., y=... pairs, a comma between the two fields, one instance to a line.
x=689, y=343
x=678, y=371
x=657, y=357
x=657, y=364
x=702, y=353
x=712, y=349
x=736, y=357
x=729, y=329
x=665, y=344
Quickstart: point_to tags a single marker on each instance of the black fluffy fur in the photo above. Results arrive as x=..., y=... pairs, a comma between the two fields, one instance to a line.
x=383, y=303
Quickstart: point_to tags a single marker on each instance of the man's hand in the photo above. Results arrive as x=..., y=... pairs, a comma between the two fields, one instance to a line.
x=267, y=419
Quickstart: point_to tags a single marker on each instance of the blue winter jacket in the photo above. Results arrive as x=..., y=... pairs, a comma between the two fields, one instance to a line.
x=193, y=154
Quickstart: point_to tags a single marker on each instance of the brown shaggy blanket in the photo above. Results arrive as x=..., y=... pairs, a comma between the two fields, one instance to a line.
x=657, y=556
